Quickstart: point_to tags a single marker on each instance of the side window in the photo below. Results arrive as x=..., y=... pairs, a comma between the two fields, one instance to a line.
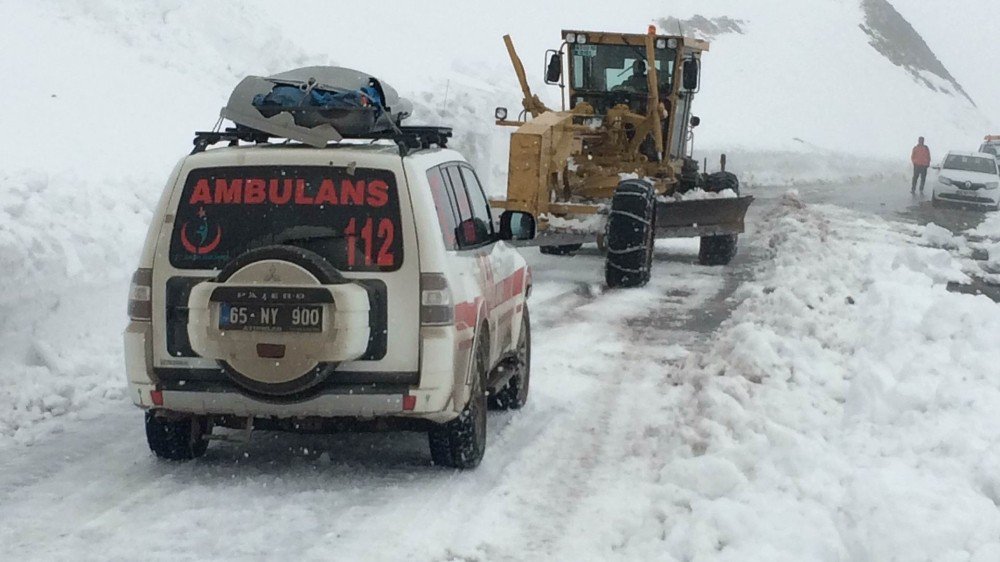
x=458, y=189
x=480, y=207
x=445, y=205
x=472, y=229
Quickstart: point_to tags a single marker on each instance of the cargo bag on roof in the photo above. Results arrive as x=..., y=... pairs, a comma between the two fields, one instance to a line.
x=317, y=105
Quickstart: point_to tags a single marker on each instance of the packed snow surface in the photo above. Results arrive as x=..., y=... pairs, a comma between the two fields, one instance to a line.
x=846, y=411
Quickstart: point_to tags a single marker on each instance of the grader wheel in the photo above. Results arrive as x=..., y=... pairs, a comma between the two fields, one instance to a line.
x=631, y=228
x=719, y=250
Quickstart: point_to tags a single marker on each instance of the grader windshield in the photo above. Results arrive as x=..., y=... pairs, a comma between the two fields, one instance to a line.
x=596, y=70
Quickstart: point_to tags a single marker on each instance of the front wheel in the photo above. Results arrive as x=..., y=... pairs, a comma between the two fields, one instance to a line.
x=630, y=235
x=719, y=250
x=461, y=443
x=177, y=439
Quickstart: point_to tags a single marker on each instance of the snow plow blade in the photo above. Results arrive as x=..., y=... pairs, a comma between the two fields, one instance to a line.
x=701, y=217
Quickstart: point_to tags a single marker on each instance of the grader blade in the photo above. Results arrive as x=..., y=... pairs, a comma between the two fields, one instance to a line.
x=701, y=217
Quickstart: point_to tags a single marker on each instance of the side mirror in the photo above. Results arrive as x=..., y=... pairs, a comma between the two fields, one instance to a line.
x=938, y=168
x=695, y=121
x=553, y=72
x=517, y=225
x=690, y=80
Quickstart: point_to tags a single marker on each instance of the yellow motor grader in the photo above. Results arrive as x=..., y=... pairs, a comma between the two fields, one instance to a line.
x=614, y=164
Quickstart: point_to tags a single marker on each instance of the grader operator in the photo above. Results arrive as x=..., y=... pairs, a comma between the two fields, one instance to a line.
x=614, y=164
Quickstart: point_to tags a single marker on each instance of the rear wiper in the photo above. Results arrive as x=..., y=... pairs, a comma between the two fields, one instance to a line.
x=308, y=234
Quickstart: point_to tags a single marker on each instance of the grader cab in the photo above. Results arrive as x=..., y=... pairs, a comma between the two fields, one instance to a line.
x=614, y=163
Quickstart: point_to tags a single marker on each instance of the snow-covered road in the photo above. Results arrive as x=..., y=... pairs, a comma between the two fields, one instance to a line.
x=652, y=433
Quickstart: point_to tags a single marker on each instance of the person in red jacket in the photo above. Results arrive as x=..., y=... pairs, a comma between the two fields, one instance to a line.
x=921, y=159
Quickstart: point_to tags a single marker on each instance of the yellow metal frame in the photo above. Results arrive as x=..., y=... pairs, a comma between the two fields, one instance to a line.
x=561, y=165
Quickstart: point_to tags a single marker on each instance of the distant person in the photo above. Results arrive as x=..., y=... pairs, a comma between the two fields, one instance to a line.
x=921, y=158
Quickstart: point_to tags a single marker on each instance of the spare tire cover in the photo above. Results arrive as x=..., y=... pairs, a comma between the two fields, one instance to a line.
x=263, y=384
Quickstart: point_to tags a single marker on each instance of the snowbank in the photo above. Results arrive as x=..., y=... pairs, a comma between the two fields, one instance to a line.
x=805, y=165
x=989, y=228
x=847, y=410
x=67, y=248
x=701, y=194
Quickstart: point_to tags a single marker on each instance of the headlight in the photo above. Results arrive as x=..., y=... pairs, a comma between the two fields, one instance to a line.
x=581, y=39
x=672, y=43
x=500, y=113
x=944, y=180
x=661, y=43
x=993, y=185
x=571, y=37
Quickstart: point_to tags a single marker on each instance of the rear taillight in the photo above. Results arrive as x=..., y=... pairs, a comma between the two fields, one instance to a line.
x=140, y=305
x=436, y=308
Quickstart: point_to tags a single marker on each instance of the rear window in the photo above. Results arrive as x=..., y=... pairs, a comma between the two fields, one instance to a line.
x=351, y=218
x=970, y=164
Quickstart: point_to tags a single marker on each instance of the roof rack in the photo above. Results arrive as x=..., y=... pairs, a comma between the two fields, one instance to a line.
x=407, y=138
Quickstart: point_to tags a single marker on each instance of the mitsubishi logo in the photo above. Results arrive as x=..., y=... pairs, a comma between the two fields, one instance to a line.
x=272, y=274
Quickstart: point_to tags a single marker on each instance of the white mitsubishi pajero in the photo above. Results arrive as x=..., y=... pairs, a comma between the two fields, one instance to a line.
x=360, y=285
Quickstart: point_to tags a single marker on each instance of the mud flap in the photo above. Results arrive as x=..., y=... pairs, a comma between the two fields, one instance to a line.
x=701, y=217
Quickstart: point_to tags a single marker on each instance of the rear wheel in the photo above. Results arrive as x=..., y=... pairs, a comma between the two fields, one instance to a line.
x=719, y=250
x=514, y=394
x=177, y=439
x=630, y=235
x=564, y=250
x=461, y=442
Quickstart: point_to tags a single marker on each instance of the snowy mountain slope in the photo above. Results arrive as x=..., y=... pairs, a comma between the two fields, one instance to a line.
x=805, y=73
x=894, y=37
x=963, y=35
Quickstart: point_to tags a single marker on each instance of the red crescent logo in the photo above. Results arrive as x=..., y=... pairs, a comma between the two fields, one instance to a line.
x=192, y=249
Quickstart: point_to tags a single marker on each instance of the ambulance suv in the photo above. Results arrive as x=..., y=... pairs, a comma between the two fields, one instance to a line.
x=285, y=287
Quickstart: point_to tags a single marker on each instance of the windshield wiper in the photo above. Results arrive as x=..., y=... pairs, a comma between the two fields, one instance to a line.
x=308, y=234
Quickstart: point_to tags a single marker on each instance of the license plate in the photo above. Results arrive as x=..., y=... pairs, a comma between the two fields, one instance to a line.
x=271, y=317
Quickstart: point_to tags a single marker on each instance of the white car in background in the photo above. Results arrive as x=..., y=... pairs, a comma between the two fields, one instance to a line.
x=968, y=178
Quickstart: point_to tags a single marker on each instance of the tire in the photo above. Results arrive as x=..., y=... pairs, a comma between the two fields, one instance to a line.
x=721, y=181
x=719, y=250
x=461, y=442
x=630, y=235
x=326, y=274
x=690, y=177
x=564, y=250
x=514, y=394
x=177, y=439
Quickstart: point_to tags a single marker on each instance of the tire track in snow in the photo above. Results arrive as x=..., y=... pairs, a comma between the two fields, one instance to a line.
x=576, y=456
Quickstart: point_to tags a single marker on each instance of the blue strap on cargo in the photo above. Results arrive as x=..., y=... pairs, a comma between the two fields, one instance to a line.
x=293, y=97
